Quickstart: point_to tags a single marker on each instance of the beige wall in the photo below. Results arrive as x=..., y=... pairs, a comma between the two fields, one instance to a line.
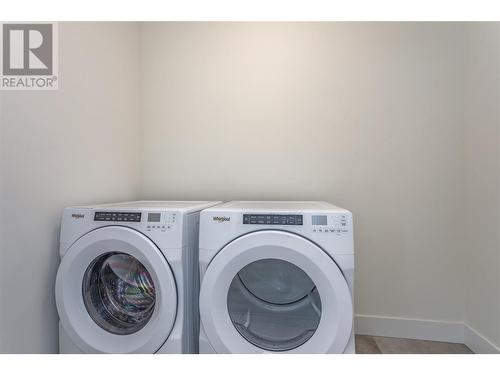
x=363, y=115
x=482, y=174
x=76, y=145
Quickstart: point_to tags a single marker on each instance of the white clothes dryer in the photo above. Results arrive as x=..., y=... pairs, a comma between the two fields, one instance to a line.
x=276, y=277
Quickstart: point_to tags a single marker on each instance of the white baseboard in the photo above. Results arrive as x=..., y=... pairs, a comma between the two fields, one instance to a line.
x=409, y=328
x=456, y=332
x=479, y=344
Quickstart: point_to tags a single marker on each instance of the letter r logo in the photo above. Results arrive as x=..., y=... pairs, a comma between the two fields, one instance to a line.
x=27, y=49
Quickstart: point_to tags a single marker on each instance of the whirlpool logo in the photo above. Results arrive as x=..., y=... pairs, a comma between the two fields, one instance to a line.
x=77, y=216
x=221, y=219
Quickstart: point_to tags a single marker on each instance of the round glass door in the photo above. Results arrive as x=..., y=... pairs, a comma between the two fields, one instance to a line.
x=274, y=304
x=118, y=293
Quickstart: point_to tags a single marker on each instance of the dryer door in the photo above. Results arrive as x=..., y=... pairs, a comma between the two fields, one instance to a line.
x=276, y=292
x=115, y=292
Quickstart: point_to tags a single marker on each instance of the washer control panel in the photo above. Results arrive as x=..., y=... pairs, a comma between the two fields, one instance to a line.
x=329, y=224
x=150, y=221
x=118, y=216
x=160, y=221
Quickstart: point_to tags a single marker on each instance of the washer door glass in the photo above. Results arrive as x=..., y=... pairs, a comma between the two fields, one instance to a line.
x=274, y=304
x=119, y=293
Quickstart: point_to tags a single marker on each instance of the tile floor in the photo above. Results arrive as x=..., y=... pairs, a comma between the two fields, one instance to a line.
x=390, y=345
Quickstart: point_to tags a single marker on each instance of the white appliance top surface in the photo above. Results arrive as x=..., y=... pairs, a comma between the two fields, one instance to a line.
x=277, y=206
x=184, y=206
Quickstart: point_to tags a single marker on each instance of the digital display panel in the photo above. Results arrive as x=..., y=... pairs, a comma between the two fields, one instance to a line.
x=319, y=220
x=154, y=217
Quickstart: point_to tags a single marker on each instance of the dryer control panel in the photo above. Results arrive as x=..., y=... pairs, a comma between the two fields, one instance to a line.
x=329, y=224
x=272, y=219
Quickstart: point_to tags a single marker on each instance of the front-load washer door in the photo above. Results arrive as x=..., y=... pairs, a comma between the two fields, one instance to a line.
x=115, y=292
x=275, y=292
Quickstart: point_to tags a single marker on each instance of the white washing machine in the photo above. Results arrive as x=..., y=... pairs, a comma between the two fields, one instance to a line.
x=276, y=277
x=128, y=279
